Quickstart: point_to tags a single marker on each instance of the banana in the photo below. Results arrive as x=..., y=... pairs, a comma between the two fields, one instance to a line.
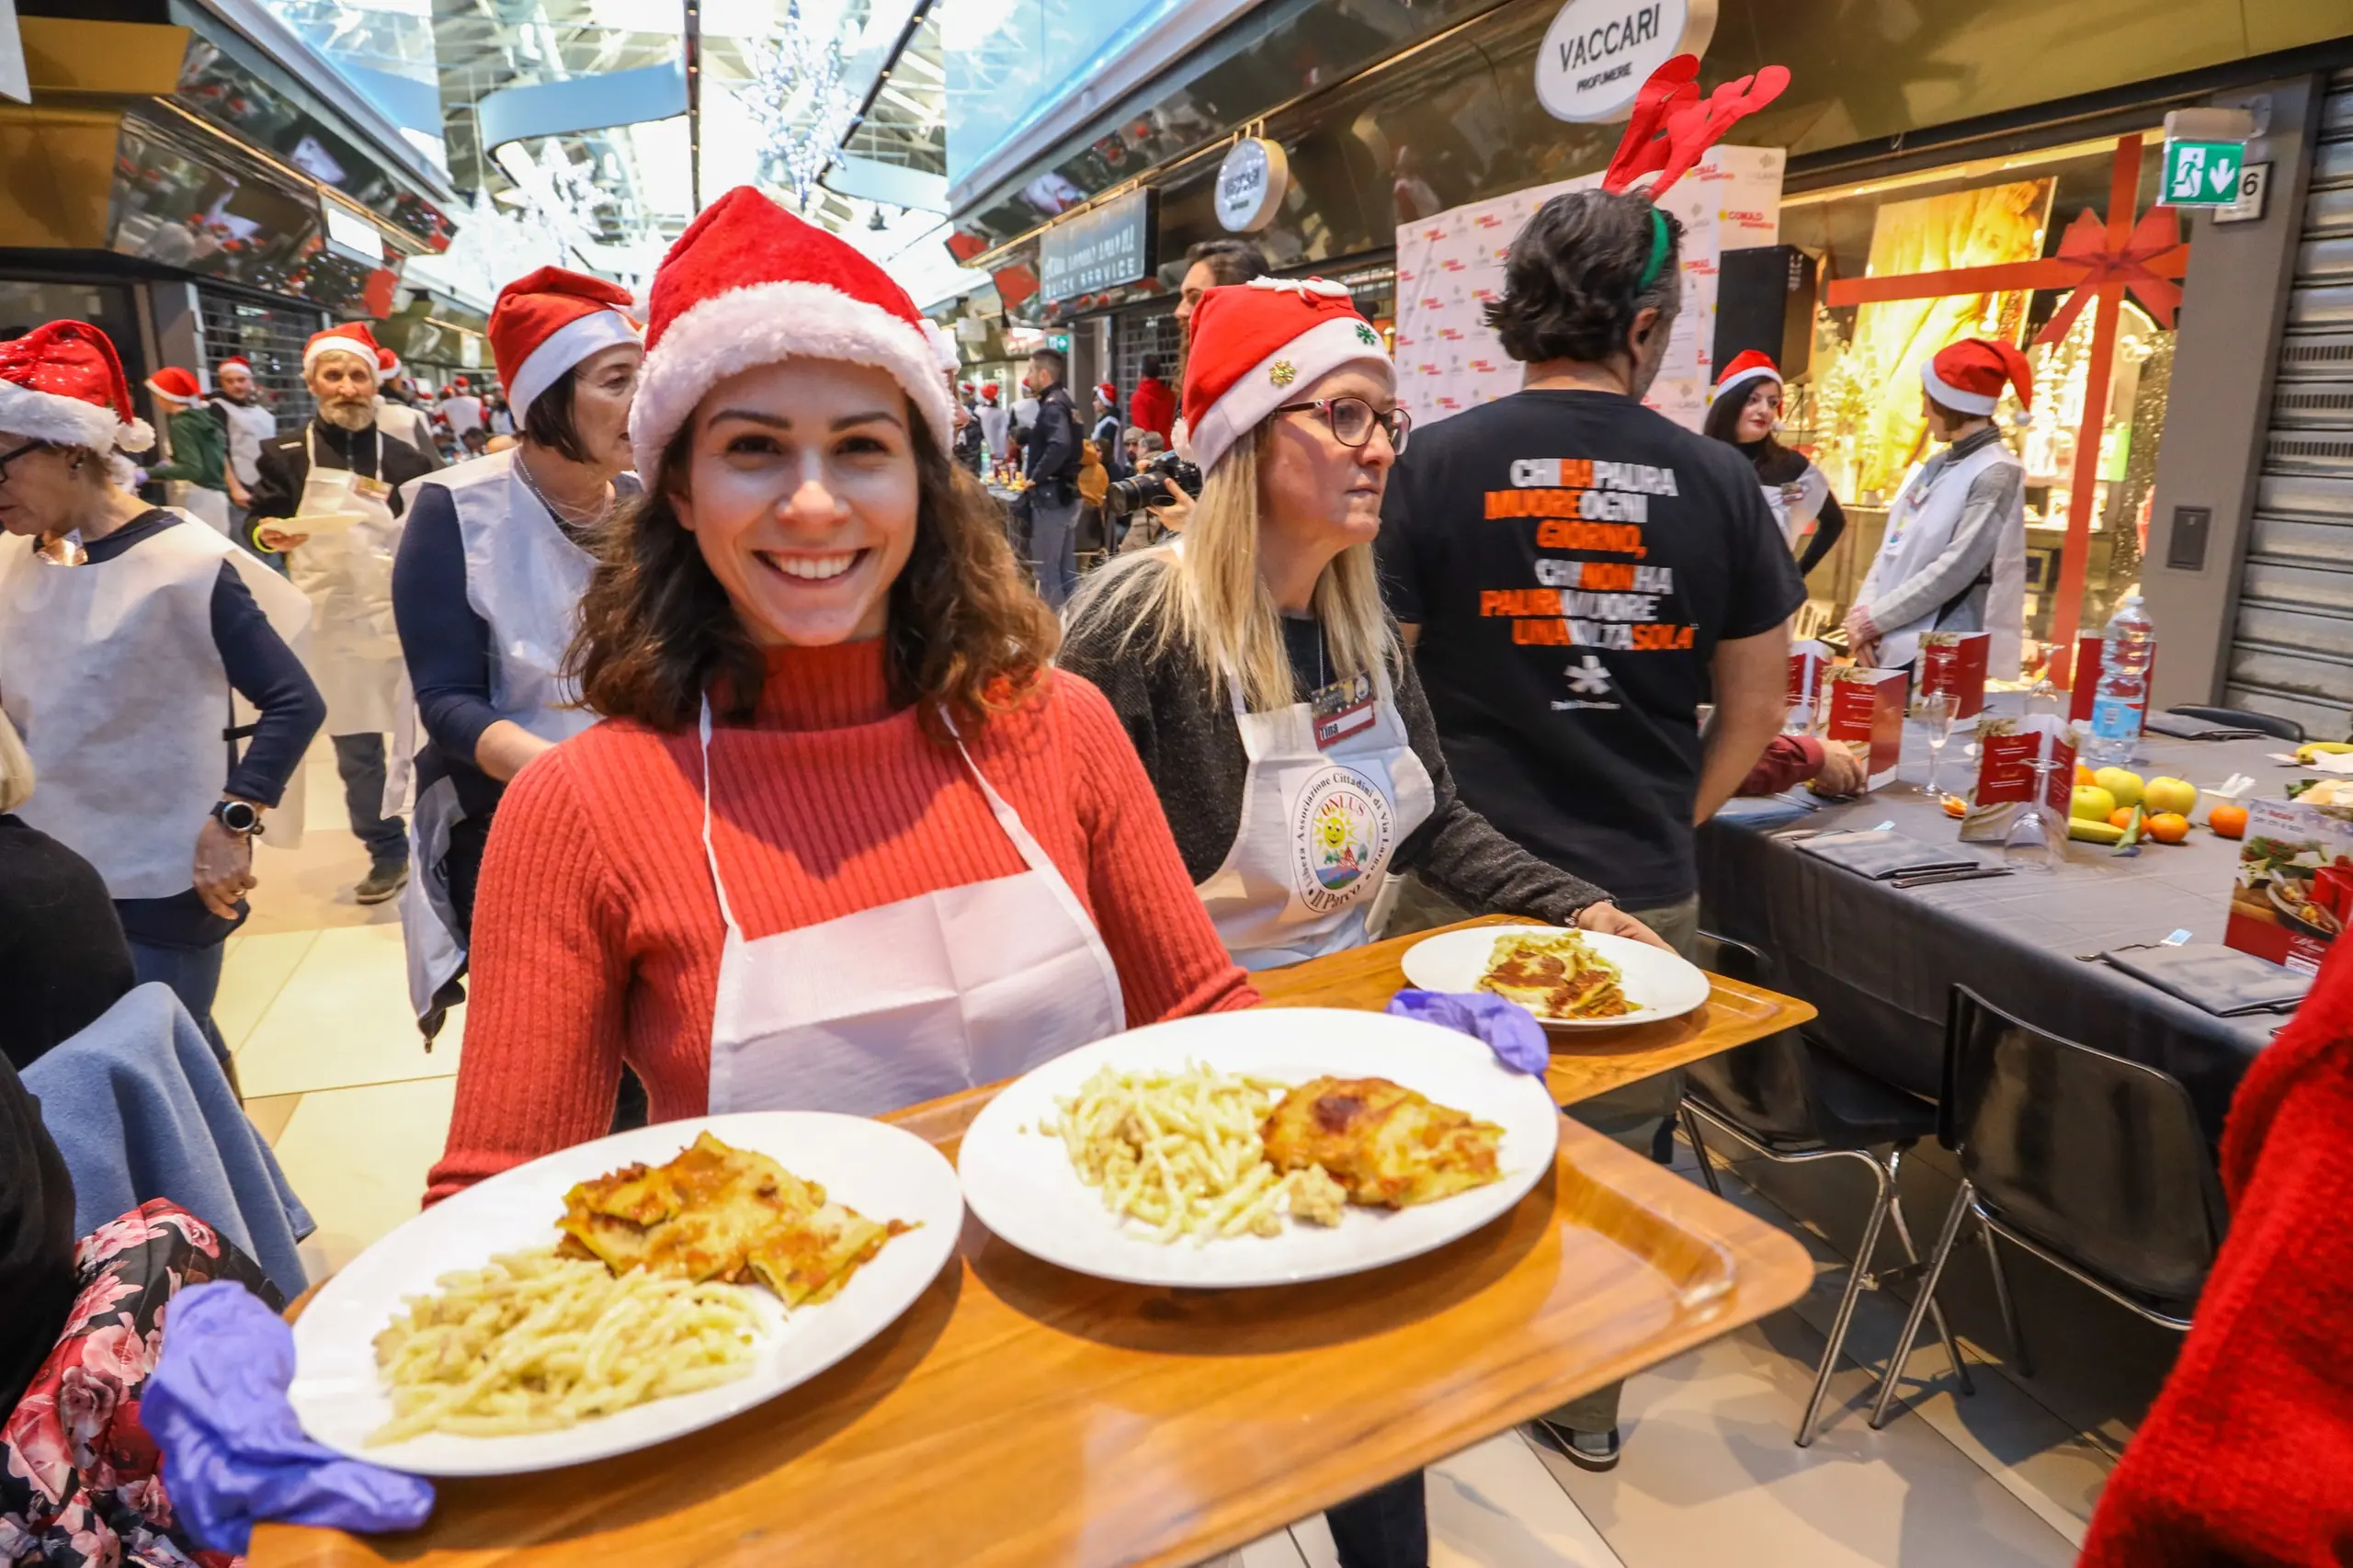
x=2092, y=832
x=2312, y=749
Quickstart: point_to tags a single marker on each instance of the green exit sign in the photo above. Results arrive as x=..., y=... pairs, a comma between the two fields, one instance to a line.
x=2202, y=174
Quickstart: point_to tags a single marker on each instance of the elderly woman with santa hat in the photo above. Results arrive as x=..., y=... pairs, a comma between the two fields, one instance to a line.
x=123, y=630
x=843, y=842
x=1954, y=555
x=486, y=590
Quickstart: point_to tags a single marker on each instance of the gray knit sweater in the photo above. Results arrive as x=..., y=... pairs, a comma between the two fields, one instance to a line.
x=1182, y=724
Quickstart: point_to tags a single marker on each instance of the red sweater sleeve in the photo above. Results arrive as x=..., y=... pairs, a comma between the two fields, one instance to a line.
x=1790, y=759
x=542, y=1050
x=1171, y=963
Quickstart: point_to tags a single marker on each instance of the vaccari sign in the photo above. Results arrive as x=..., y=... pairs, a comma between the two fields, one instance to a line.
x=1597, y=53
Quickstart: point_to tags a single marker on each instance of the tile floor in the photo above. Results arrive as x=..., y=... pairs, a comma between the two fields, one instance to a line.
x=313, y=1003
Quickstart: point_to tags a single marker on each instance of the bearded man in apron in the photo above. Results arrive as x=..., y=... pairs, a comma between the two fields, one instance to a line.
x=328, y=498
x=1954, y=556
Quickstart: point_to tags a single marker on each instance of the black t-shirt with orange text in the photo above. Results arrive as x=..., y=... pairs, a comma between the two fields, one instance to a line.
x=1573, y=559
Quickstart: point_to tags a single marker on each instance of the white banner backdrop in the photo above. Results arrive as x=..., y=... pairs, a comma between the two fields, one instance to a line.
x=1451, y=266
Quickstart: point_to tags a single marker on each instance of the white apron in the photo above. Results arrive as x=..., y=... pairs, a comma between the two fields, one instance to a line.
x=210, y=507
x=355, y=649
x=110, y=673
x=524, y=579
x=1919, y=527
x=1796, y=505
x=1319, y=828
x=911, y=1000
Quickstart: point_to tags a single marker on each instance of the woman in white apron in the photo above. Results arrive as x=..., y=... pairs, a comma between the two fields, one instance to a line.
x=1262, y=683
x=1744, y=411
x=1954, y=555
x=124, y=630
x=843, y=842
x=486, y=591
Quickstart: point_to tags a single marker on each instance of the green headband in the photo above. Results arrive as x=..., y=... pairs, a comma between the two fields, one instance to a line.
x=1660, y=245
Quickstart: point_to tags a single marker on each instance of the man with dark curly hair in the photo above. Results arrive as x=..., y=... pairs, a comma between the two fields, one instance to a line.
x=1578, y=574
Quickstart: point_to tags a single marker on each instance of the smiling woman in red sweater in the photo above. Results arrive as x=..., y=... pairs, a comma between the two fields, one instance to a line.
x=845, y=843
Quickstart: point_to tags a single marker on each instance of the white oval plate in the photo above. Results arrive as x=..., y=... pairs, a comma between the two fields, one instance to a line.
x=1659, y=984
x=881, y=1171
x=1020, y=1182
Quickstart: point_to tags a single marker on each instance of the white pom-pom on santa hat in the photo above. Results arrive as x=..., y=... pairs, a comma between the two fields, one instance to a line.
x=62, y=382
x=1259, y=345
x=749, y=284
x=547, y=322
x=1967, y=376
x=944, y=352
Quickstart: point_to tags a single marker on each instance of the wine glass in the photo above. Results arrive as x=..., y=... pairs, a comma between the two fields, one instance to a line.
x=1936, y=710
x=2037, y=853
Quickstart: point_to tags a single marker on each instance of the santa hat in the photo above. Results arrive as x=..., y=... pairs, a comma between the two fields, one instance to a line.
x=1107, y=391
x=458, y=383
x=238, y=361
x=351, y=337
x=1259, y=345
x=1967, y=376
x=989, y=391
x=548, y=321
x=62, y=382
x=1746, y=366
x=749, y=284
x=388, y=365
x=173, y=382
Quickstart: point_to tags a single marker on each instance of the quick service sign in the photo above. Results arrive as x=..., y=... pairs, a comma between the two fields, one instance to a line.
x=2202, y=174
x=1107, y=245
x=1597, y=53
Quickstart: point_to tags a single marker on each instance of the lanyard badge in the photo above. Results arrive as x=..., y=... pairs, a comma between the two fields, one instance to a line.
x=1341, y=709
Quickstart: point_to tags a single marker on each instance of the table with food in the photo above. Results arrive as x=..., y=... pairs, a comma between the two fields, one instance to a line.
x=1083, y=1316
x=2085, y=946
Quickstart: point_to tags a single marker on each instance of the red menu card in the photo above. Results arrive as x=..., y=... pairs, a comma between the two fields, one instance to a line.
x=2008, y=750
x=2090, y=649
x=1809, y=662
x=2293, y=893
x=1954, y=663
x=1866, y=708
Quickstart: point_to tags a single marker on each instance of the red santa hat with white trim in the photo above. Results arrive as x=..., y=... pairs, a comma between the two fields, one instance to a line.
x=1967, y=376
x=62, y=382
x=1259, y=345
x=237, y=361
x=388, y=366
x=749, y=284
x=1107, y=391
x=547, y=322
x=176, y=383
x=351, y=337
x=1746, y=366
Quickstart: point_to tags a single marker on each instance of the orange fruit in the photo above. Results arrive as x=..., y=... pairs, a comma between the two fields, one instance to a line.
x=1955, y=806
x=2227, y=820
x=2085, y=775
x=2121, y=817
x=2167, y=827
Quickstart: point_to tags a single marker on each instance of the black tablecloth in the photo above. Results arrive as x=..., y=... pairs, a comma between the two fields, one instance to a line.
x=1880, y=963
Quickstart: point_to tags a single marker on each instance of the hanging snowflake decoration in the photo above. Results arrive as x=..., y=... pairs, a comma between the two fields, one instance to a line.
x=795, y=95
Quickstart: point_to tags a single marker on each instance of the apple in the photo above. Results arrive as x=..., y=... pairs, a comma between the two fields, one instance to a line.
x=2121, y=782
x=2091, y=804
x=2166, y=793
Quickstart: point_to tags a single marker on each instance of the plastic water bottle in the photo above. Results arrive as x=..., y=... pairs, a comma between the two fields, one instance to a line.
x=2129, y=649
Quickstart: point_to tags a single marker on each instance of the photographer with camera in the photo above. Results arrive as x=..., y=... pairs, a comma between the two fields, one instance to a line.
x=1049, y=461
x=1151, y=503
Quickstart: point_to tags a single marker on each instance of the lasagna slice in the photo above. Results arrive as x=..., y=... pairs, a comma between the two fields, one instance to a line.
x=1384, y=1144
x=1555, y=975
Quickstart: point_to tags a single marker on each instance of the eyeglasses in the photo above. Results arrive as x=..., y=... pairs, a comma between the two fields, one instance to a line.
x=1353, y=420
x=7, y=458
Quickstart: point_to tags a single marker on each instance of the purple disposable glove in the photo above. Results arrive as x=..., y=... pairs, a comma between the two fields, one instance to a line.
x=1510, y=1031
x=234, y=1453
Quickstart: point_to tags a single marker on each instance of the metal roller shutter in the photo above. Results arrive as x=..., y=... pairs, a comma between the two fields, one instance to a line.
x=2292, y=651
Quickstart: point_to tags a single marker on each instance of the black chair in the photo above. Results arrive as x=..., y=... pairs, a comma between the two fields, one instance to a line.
x=2269, y=724
x=1793, y=1102
x=2095, y=1165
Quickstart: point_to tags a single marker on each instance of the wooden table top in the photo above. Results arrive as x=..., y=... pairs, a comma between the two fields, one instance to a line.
x=1019, y=1413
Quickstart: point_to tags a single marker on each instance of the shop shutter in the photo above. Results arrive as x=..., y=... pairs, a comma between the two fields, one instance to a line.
x=2292, y=651
x=270, y=336
x=1136, y=337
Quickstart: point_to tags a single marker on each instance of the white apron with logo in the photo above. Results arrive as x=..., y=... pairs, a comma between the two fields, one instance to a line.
x=110, y=673
x=1919, y=527
x=1319, y=828
x=911, y=1000
x=524, y=579
x=355, y=648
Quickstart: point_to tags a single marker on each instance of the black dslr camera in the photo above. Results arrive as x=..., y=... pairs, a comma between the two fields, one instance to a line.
x=1144, y=489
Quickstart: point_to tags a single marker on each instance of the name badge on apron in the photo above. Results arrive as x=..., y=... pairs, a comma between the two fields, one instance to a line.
x=373, y=489
x=1341, y=709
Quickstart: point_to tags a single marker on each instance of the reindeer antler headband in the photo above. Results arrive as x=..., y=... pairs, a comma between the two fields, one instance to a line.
x=1672, y=126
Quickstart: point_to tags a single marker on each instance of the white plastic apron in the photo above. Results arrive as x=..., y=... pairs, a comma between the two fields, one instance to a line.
x=1319, y=828
x=911, y=1000
x=1920, y=526
x=1796, y=504
x=109, y=672
x=355, y=648
x=524, y=579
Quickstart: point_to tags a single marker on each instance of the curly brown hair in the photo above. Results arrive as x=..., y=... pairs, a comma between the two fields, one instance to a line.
x=968, y=635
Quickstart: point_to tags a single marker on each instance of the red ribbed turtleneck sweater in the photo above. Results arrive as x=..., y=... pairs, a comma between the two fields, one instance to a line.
x=597, y=935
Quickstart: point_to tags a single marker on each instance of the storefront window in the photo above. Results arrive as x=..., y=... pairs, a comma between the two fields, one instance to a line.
x=1992, y=249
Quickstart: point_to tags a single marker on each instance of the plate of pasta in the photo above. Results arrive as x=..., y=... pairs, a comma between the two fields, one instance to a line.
x=1264, y=1147
x=1580, y=980
x=615, y=1295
